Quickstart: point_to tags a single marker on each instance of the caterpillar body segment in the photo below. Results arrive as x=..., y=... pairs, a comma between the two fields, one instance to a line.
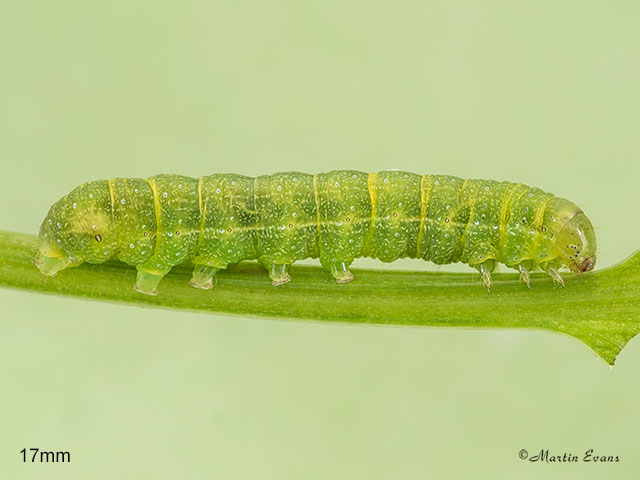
x=337, y=216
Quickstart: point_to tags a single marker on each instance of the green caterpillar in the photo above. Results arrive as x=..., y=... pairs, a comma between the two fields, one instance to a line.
x=213, y=221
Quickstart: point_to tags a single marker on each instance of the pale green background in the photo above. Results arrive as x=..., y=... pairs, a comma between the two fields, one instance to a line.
x=543, y=92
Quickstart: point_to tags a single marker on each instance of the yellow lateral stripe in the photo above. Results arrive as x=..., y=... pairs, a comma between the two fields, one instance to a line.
x=156, y=206
x=372, y=181
x=112, y=194
x=506, y=203
x=258, y=227
x=113, y=197
x=537, y=221
x=472, y=200
x=423, y=212
x=317, y=202
x=202, y=215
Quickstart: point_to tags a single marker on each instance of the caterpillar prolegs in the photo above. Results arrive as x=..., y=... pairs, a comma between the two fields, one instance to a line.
x=337, y=216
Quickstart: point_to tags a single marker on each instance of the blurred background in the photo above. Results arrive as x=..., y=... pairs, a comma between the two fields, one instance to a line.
x=544, y=93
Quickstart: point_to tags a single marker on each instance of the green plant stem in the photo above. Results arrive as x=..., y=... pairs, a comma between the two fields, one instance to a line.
x=601, y=308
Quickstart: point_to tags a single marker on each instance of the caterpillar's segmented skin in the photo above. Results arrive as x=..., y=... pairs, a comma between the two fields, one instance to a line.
x=337, y=216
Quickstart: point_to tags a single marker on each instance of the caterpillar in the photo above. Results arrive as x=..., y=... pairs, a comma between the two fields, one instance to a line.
x=337, y=216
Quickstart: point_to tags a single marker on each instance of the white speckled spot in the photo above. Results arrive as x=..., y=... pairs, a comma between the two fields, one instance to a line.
x=397, y=234
x=180, y=221
x=477, y=222
x=217, y=190
x=131, y=245
x=437, y=182
x=279, y=188
x=136, y=190
x=232, y=217
x=170, y=234
x=59, y=224
x=143, y=252
x=75, y=205
x=386, y=180
x=144, y=226
x=91, y=195
x=179, y=185
x=123, y=201
x=293, y=214
x=165, y=194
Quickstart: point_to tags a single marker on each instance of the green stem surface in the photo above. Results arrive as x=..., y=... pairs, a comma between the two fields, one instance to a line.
x=600, y=308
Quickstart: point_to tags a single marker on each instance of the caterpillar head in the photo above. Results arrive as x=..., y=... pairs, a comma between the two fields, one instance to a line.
x=576, y=239
x=78, y=228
